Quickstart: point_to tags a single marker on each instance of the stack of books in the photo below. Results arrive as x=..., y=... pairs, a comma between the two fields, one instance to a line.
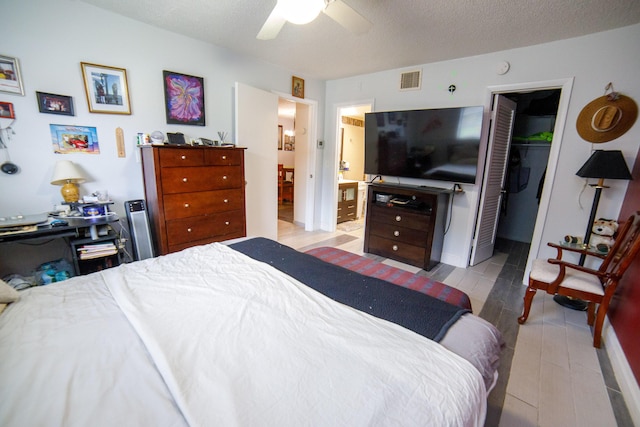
x=97, y=250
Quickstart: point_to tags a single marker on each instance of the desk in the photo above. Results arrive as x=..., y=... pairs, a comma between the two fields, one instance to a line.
x=75, y=233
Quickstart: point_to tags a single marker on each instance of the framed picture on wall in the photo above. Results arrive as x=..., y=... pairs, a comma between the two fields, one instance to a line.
x=10, y=78
x=279, y=137
x=55, y=104
x=6, y=110
x=106, y=88
x=183, y=99
x=297, y=87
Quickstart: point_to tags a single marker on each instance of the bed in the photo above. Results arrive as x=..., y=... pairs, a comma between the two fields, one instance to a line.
x=214, y=336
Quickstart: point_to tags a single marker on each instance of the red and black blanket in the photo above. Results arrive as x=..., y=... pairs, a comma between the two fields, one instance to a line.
x=417, y=311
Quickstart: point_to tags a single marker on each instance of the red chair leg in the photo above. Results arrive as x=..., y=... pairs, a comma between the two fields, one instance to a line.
x=528, y=299
x=591, y=312
x=597, y=330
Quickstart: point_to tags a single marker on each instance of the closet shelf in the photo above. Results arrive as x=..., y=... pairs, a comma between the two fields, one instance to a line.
x=520, y=144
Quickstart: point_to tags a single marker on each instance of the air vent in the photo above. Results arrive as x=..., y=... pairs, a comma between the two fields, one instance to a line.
x=410, y=80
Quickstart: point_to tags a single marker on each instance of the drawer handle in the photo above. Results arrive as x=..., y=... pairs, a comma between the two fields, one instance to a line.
x=395, y=247
x=224, y=157
x=226, y=200
x=224, y=177
x=183, y=157
x=226, y=223
x=184, y=179
x=189, y=230
x=186, y=205
x=396, y=233
x=398, y=218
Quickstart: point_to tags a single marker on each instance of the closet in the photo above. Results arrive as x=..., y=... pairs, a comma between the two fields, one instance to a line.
x=528, y=156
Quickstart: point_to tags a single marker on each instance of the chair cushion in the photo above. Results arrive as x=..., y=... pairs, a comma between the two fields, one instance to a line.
x=544, y=271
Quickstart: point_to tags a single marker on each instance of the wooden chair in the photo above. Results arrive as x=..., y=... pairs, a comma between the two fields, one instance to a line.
x=558, y=277
x=285, y=184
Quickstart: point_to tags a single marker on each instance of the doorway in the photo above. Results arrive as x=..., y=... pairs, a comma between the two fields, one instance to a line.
x=286, y=159
x=349, y=166
x=536, y=90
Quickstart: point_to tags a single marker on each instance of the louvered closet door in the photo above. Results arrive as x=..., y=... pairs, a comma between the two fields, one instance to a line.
x=502, y=118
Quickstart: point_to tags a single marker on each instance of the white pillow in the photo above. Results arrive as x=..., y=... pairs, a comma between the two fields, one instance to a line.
x=7, y=293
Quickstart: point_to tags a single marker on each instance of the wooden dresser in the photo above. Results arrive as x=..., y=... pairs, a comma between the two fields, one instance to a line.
x=195, y=195
x=406, y=223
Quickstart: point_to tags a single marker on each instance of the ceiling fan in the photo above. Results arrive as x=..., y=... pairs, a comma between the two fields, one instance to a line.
x=302, y=12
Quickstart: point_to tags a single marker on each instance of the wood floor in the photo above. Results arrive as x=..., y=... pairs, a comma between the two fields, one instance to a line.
x=550, y=374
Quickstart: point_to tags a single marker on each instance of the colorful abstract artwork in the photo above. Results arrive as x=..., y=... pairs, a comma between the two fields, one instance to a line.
x=184, y=99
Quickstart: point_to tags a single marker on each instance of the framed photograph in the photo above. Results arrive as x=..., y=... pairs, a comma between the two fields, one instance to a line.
x=74, y=139
x=6, y=111
x=297, y=87
x=106, y=88
x=55, y=104
x=183, y=99
x=279, y=137
x=290, y=146
x=10, y=78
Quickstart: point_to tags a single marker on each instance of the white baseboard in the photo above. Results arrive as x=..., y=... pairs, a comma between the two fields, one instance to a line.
x=626, y=380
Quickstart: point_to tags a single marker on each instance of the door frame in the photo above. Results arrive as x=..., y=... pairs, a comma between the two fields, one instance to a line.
x=565, y=86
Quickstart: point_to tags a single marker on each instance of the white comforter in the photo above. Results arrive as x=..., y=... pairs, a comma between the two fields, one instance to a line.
x=230, y=341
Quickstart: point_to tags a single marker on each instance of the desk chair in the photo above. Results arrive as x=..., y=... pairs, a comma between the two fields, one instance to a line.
x=558, y=277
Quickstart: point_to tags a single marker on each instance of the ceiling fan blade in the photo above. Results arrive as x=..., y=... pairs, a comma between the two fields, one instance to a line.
x=272, y=25
x=344, y=15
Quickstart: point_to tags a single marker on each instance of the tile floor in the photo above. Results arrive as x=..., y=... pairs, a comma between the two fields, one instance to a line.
x=550, y=373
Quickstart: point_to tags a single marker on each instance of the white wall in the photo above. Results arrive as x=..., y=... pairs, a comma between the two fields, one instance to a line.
x=51, y=37
x=593, y=61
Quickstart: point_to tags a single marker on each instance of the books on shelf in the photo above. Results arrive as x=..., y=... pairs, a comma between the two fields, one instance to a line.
x=97, y=250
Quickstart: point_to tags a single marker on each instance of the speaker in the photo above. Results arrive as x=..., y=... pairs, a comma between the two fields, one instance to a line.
x=139, y=228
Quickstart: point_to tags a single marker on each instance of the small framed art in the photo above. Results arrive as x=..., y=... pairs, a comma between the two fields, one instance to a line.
x=279, y=137
x=183, y=99
x=297, y=87
x=106, y=88
x=10, y=78
x=6, y=110
x=55, y=104
x=74, y=139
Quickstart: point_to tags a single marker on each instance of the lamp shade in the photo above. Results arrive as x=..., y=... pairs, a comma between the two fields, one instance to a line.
x=66, y=171
x=605, y=164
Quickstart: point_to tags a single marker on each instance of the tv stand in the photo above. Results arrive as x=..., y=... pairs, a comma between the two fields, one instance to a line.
x=406, y=223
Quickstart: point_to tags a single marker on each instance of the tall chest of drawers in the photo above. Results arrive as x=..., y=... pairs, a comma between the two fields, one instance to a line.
x=195, y=195
x=406, y=223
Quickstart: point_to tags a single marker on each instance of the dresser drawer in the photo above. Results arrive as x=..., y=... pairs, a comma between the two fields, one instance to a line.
x=397, y=233
x=203, y=178
x=222, y=157
x=185, y=205
x=404, y=252
x=401, y=217
x=175, y=157
x=193, y=229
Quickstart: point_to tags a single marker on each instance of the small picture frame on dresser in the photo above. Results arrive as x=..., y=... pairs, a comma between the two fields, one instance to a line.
x=176, y=138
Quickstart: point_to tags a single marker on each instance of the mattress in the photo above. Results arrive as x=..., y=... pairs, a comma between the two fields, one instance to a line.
x=209, y=336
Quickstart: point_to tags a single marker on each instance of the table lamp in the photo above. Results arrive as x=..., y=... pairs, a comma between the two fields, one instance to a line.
x=602, y=165
x=67, y=174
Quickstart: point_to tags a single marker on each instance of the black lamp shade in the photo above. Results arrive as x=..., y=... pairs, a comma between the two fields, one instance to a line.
x=606, y=164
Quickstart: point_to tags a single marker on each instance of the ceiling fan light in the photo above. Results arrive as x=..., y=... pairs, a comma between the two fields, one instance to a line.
x=300, y=11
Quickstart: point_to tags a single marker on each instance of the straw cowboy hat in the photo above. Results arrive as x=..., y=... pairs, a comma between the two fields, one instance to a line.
x=607, y=118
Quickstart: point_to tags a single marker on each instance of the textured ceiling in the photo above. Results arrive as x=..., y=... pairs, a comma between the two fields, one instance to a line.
x=405, y=33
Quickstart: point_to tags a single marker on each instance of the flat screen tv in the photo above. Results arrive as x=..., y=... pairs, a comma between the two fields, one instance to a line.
x=440, y=144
